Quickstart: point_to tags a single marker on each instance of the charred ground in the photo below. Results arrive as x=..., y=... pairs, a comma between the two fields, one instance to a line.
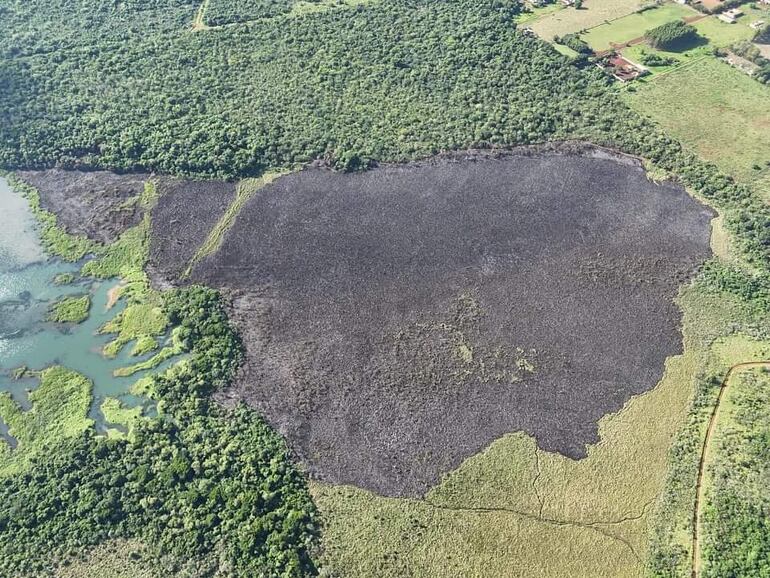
x=98, y=204
x=184, y=215
x=399, y=320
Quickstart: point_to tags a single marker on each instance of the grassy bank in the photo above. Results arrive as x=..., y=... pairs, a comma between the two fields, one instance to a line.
x=70, y=309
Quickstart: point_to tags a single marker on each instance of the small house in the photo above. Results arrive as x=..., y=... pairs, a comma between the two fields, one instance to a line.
x=621, y=68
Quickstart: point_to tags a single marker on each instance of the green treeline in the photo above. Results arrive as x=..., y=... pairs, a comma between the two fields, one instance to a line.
x=671, y=35
x=201, y=484
x=388, y=81
x=737, y=515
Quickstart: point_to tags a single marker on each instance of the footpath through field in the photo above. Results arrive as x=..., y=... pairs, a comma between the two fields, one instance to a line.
x=713, y=420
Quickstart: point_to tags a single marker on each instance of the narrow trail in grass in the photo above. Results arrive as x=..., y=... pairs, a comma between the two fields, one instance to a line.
x=594, y=526
x=697, y=513
x=199, y=22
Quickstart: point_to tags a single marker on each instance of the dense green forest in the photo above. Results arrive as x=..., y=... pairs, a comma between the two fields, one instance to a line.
x=386, y=81
x=44, y=26
x=203, y=484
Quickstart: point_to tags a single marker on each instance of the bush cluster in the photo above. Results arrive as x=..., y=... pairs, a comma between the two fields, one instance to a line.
x=200, y=483
x=671, y=35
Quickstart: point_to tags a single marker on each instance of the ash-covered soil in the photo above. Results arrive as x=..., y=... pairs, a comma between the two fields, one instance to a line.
x=98, y=204
x=397, y=321
x=181, y=221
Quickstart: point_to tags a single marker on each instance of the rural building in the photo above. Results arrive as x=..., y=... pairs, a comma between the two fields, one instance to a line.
x=568, y=2
x=765, y=2
x=621, y=68
x=730, y=16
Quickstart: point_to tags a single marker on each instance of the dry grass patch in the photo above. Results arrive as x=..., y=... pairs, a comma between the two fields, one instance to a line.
x=593, y=13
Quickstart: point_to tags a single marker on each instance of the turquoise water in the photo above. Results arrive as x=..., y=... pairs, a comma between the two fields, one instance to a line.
x=27, y=291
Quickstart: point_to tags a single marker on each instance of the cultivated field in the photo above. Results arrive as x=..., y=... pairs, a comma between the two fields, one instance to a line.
x=715, y=110
x=593, y=13
x=622, y=30
x=400, y=320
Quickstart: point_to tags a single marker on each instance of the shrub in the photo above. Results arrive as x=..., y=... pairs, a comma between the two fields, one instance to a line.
x=671, y=35
x=574, y=42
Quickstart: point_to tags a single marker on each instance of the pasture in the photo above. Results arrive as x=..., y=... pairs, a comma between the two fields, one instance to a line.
x=618, y=32
x=715, y=110
x=593, y=13
x=515, y=510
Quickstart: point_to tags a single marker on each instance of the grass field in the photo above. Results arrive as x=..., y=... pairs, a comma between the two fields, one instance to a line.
x=538, y=13
x=515, y=510
x=718, y=34
x=593, y=13
x=635, y=25
x=716, y=111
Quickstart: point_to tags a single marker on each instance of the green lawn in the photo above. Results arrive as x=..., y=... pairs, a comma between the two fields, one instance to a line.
x=718, y=34
x=635, y=25
x=593, y=13
x=721, y=34
x=538, y=13
x=715, y=110
x=565, y=50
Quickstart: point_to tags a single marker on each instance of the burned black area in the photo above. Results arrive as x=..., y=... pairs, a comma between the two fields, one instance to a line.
x=181, y=221
x=397, y=321
x=98, y=204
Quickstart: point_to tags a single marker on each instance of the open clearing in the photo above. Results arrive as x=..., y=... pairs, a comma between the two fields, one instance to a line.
x=400, y=320
x=717, y=111
x=635, y=25
x=593, y=13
